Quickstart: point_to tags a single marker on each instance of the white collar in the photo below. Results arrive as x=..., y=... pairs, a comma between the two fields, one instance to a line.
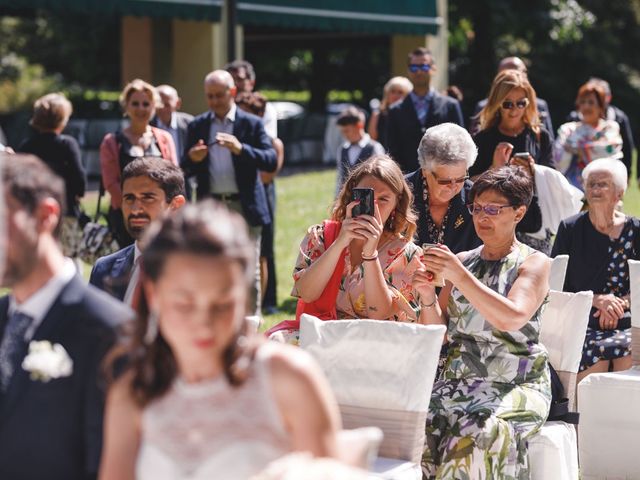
x=173, y=123
x=40, y=302
x=231, y=114
x=136, y=252
x=361, y=143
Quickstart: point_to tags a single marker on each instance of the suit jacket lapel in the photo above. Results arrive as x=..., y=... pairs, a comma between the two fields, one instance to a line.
x=70, y=294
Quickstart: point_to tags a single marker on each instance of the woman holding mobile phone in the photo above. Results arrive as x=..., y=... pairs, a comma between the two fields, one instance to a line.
x=373, y=255
x=510, y=124
x=494, y=390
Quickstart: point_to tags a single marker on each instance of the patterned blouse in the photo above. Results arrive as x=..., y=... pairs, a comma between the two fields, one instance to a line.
x=399, y=259
x=433, y=231
x=578, y=144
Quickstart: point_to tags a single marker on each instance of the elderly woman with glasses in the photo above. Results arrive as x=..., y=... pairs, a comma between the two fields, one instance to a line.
x=441, y=187
x=599, y=243
x=510, y=125
x=494, y=391
x=592, y=137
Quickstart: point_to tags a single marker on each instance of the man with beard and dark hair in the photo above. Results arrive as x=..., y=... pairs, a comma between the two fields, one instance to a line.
x=54, y=333
x=150, y=187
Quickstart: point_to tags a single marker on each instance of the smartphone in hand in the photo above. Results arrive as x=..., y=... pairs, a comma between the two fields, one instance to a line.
x=365, y=207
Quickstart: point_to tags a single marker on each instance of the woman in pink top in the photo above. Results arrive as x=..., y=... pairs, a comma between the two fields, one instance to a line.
x=139, y=101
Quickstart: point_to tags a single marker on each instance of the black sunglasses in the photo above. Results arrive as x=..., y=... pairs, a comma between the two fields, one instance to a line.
x=520, y=104
x=449, y=181
x=491, y=210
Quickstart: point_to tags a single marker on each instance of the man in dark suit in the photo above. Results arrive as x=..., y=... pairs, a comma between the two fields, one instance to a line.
x=424, y=107
x=616, y=114
x=50, y=409
x=150, y=187
x=226, y=150
x=169, y=118
x=513, y=63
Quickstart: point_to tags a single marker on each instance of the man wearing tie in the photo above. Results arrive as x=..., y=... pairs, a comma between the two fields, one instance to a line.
x=150, y=187
x=54, y=333
x=422, y=108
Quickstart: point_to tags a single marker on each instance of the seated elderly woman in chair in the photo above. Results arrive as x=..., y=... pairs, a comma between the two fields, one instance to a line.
x=599, y=243
x=494, y=391
x=366, y=262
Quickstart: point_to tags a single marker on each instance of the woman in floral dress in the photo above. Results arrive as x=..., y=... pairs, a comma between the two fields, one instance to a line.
x=599, y=244
x=379, y=256
x=593, y=137
x=494, y=391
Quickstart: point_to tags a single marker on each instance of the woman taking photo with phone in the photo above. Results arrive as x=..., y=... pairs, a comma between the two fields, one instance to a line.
x=201, y=398
x=368, y=260
x=494, y=391
x=510, y=124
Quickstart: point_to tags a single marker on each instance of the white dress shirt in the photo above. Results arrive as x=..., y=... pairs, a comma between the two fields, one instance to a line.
x=172, y=128
x=39, y=303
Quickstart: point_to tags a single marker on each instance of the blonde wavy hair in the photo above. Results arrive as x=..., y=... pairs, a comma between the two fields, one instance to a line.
x=402, y=221
x=502, y=84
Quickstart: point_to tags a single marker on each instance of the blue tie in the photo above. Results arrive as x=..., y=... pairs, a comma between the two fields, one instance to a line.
x=12, y=346
x=421, y=109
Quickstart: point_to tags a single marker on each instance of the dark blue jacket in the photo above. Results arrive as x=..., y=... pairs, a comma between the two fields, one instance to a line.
x=404, y=130
x=459, y=234
x=111, y=273
x=53, y=429
x=257, y=154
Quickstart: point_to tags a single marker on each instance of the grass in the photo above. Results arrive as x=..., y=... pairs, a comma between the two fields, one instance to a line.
x=303, y=200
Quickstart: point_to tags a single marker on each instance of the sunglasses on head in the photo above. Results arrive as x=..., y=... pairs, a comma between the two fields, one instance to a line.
x=414, y=67
x=491, y=210
x=520, y=104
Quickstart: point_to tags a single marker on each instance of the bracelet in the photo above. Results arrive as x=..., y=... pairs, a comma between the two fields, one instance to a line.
x=374, y=256
x=429, y=305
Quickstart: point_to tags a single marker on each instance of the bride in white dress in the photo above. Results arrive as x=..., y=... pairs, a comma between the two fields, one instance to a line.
x=200, y=399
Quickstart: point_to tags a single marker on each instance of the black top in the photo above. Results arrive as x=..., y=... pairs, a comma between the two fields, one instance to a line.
x=588, y=252
x=488, y=139
x=62, y=154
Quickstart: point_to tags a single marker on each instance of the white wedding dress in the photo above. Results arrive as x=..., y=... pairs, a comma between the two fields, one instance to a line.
x=211, y=430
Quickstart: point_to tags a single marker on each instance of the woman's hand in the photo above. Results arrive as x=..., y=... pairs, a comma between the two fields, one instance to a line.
x=444, y=264
x=348, y=230
x=370, y=228
x=610, y=310
x=423, y=284
x=501, y=155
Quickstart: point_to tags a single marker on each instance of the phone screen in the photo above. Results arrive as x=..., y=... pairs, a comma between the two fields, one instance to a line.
x=365, y=196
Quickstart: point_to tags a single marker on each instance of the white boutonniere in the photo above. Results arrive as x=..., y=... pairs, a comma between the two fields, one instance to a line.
x=46, y=361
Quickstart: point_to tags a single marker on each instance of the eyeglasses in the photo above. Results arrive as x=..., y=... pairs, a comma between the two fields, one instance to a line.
x=491, y=210
x=449, y=181
x=414, y=67
x=520, y=104
x=598, y=185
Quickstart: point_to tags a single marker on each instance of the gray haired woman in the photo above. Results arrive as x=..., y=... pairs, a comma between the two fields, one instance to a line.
x=441, y=188
x=599, y=243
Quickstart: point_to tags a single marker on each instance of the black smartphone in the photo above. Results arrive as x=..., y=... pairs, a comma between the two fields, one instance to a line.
x=524, y=155
x=365, y=196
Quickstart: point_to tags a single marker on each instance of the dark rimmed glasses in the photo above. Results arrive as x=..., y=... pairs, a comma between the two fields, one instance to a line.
x=449, y=181
x=491, y=210
x=415, y=67
x=520, y=104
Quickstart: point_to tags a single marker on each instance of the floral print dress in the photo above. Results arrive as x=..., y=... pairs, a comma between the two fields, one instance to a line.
x=615, y=343
x=578, y=144
x=494, y=391
x=399, y=259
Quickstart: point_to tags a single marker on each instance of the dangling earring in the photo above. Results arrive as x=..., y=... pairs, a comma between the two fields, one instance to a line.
x=391, y=220
x=152, y=328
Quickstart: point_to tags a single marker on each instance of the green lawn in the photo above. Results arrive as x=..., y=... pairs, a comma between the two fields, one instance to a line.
x=305, y=199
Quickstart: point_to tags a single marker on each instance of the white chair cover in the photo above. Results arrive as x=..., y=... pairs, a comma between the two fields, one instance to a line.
x=558, y=272
x=609, y=425
x=382, y=374
x=553, y=451
x=634, y=281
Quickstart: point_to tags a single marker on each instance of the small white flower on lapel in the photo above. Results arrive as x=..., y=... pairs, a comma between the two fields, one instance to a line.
x=46, y=361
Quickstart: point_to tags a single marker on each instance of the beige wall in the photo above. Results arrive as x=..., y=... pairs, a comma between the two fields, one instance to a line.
x=136, y=58
x=196, y=48
x=401, y=45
